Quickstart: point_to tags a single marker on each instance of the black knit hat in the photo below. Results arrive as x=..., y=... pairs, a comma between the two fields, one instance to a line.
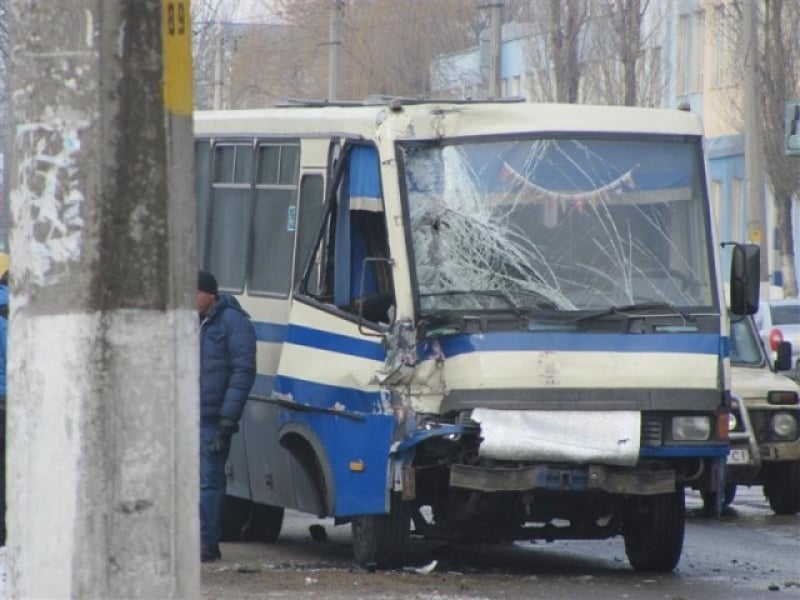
x=206, y=282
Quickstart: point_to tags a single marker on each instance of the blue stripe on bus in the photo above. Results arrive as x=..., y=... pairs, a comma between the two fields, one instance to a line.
x=685, y=343
x=724, y=347
x=324, y=395
x=269, y=332
x=681, y=343
x=334, y=342
x=262, y=386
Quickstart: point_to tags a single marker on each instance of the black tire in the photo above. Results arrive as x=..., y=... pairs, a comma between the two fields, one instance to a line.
x=383, y=540
x=654, y=533
x=235, y=515
x=782, y=488
x=710, y=498
x=266, y=523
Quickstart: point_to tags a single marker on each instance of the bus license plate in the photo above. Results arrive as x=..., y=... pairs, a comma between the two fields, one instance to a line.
x=738, y=456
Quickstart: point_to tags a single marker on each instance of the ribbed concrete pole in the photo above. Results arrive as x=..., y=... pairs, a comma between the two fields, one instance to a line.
x=103, y=482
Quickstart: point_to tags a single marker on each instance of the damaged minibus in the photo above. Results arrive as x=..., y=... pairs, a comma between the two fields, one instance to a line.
x=476, y=321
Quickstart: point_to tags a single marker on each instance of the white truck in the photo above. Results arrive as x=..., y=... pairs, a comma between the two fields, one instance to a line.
x=764, y=432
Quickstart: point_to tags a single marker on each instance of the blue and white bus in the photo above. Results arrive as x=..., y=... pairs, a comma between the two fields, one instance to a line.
x=476, y=321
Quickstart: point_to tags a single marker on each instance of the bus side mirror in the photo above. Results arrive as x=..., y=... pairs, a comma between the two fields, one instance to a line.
x=745, y=278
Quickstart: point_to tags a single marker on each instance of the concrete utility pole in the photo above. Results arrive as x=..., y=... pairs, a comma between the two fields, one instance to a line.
x=103, y=376
x=218, y=64
x=333, y=52
x=754, y=149
x=495, y=48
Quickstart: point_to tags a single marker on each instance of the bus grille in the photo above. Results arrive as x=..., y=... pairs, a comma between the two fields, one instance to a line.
x=651, y=429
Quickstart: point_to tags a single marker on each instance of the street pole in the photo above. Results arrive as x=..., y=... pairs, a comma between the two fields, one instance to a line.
x=495, y=49
x=103, y=377
x=217, y=64
x=333, y=51
x=754, y=161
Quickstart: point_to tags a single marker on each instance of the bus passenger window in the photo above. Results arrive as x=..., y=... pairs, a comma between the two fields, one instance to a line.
x=274, y=217
x=228, y=228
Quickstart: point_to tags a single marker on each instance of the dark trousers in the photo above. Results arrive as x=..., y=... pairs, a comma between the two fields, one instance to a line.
x=212, y=484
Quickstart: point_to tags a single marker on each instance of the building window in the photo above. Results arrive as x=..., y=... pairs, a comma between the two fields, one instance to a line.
x=724, y=32
x=690, y=53
x=516, y=85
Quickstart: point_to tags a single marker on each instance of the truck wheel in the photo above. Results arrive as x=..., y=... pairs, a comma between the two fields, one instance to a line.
x=710, y=498
x=654, y=532
x=383, y=540
x=266, y=522
x=235, y=515
x=782, y=488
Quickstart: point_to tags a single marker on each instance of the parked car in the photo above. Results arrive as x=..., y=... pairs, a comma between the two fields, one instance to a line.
x=777, y=321
x=764, y=424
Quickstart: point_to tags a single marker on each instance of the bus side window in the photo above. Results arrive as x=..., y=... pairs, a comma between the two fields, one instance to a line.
x=229, y=214
x=309, y=214
x=274, y=217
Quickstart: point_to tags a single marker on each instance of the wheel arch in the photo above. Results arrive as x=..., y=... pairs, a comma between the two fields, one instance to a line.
x=305, y=447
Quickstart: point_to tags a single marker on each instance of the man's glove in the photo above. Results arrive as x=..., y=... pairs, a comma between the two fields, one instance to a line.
x=226, y=428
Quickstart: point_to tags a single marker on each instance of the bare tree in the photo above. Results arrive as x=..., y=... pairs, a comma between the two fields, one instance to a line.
x=387, y=47
x=567, y=23
x=623, y=57
x=216, y=29
x=780, y=82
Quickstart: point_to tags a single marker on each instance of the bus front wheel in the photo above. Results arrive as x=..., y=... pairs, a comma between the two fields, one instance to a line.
x=654, y=532
x=383, y=540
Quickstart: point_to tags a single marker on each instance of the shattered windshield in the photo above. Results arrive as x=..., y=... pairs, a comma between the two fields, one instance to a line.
x=557, y=224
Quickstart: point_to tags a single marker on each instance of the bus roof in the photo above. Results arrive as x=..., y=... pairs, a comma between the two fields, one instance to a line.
x=425, y=120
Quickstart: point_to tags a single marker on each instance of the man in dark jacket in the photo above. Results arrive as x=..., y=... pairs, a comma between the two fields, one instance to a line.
x=227, y=371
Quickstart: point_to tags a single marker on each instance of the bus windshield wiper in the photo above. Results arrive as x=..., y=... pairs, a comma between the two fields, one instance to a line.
x=627, y=308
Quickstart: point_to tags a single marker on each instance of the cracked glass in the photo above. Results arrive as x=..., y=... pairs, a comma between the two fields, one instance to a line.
x=558, y=224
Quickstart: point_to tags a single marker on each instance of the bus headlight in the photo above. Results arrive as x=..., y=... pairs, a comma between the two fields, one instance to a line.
x=695, y=428
x=784, y=425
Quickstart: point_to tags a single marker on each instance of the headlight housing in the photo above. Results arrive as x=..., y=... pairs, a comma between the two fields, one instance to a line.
x=733, y=420
x=691, y=428
x=783, y=425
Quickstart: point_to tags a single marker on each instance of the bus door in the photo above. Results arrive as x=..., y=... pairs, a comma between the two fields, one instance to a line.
x=334, y=418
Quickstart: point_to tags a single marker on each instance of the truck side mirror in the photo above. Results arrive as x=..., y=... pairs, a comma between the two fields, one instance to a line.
x=783, y=360
x=745, y=278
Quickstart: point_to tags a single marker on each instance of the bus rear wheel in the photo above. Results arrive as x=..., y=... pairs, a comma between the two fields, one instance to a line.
x=654, y=532
x=266, y=522
x=383, y=540
x=235, y=516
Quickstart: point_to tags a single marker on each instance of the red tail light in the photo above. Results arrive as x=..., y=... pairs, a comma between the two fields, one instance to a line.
x=775, y=338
